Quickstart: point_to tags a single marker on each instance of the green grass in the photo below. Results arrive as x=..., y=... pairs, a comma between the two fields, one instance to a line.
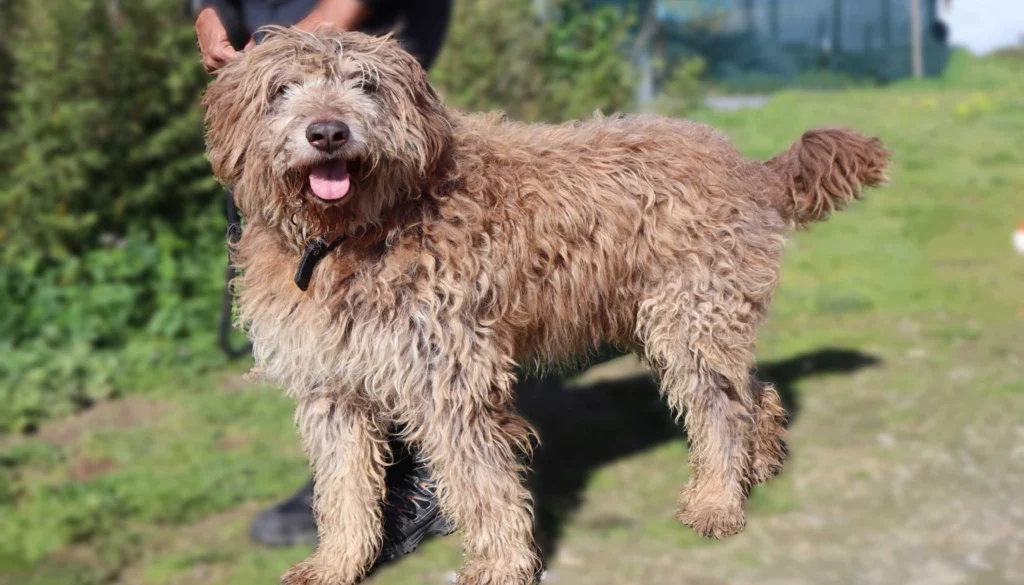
x=921, y=276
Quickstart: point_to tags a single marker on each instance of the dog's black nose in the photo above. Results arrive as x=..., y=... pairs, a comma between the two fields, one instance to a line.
x=327, y=136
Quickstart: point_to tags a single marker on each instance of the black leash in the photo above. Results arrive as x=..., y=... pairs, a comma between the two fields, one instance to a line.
x=234, y=234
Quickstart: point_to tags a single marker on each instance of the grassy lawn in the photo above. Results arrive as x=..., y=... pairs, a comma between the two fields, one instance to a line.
x=897, y=338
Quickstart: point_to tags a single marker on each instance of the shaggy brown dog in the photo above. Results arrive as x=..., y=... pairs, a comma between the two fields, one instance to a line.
x=466, y=245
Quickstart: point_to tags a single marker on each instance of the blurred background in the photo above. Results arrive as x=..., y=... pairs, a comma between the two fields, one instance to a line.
x=131, y=451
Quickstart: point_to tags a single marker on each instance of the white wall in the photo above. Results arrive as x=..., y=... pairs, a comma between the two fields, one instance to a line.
x=985, y=25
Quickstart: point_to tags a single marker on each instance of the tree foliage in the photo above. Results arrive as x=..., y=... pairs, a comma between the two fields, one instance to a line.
x=500, y=55
x=105, y=134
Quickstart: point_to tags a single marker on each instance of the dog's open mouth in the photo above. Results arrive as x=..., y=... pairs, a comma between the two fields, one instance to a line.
x=331, y=180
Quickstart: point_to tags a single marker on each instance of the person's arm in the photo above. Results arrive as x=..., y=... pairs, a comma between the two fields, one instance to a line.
x=336, y=14
x=213, y=40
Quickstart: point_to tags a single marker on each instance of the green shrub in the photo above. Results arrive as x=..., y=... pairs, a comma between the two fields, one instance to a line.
x=501, y=56
x=6, y=26
x=88, y=327
x=111, y=230
x=684, y=89
x=105, y=133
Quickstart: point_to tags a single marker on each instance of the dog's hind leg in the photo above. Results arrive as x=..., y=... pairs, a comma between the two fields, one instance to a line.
x=348, y=451
x=703, y=353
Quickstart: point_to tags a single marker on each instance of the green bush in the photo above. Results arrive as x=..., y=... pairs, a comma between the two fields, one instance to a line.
x=684, y=89
x=105, y=134
x=7, y=26
x=111, y=231
x=501, y=56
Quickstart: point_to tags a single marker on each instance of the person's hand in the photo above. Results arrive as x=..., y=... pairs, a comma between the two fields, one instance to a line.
x=213, y=41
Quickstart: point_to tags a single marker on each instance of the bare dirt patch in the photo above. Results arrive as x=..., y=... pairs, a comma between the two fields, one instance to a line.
x=84, y=468
x=123, y=413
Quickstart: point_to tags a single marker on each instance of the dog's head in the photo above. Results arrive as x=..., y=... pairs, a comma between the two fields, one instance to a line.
x=323, y=133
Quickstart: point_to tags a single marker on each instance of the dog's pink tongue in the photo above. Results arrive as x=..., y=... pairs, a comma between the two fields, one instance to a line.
x=330, y=180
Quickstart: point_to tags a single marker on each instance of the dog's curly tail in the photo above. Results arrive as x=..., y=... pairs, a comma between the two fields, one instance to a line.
x=825, y=171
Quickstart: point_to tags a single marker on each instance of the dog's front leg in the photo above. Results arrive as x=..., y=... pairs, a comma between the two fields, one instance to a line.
x=347, y=449
x=475, y=446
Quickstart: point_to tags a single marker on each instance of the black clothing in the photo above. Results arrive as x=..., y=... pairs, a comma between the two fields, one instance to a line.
x=419, y=25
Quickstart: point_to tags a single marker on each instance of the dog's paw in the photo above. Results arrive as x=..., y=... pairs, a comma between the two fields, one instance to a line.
x=712, y=523
x=711, y=517
x=313, y=572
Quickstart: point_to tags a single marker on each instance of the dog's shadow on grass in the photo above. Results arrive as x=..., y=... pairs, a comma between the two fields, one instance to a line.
x=584, y=428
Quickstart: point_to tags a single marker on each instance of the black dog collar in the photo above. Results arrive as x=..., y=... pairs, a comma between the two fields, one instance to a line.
x=315, y=251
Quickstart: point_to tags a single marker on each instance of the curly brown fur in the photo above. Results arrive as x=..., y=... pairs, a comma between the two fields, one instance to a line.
x=475, y=244
x=826, y=170
x=769, y=449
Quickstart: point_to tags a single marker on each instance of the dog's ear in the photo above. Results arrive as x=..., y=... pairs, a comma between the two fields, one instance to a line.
x=427, y=118
x=436, y=122
x=235, y=102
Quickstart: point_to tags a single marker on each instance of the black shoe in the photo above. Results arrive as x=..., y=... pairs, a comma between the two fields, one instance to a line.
x=411, y=513
x=289, y=523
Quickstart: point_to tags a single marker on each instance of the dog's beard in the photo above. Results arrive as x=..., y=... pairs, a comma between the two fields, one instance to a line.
x=301, y=212
x=318, y=201
x=292, y=182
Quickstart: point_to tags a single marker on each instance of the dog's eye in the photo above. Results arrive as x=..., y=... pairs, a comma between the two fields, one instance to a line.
x=366, y=84
x=279, y=93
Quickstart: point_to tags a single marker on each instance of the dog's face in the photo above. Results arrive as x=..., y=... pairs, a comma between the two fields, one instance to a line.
x=322, y=133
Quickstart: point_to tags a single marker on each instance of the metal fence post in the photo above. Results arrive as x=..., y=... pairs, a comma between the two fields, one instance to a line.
x=917, y=51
